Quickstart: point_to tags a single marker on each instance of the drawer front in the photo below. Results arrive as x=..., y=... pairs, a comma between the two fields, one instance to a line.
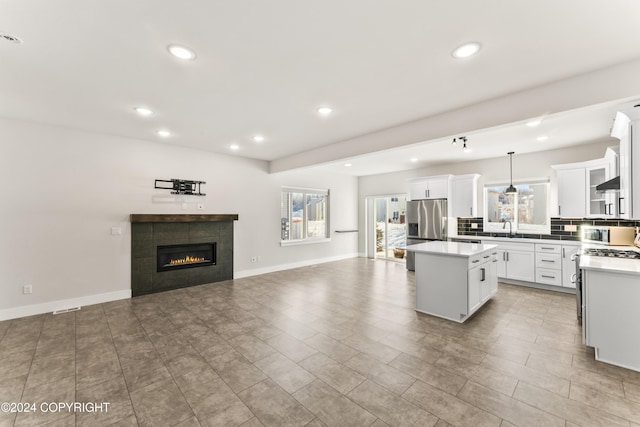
x=524, y=247
x=548, y=261
x=478, y=259
x=548, y=249
x=549, y=277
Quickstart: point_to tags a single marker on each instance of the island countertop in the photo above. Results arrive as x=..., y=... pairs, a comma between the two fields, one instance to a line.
x=460, y=249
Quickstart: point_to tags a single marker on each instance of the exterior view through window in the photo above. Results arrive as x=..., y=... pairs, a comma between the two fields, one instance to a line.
x=527, y=210
x=304, y=214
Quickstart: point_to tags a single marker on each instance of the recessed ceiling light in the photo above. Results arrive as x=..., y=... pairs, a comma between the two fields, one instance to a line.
x=163, y=133
x=534, y=123
x=413, y=159
x=181, y=52
x=542, y=138
x=347, y=165
x=466, y=50
x=234, y=147
x=10, y=38
x=258, y=138
x=325, y=111
x=143, y=111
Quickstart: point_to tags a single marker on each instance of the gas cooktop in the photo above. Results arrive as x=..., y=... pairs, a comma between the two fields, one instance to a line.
x=613, y=253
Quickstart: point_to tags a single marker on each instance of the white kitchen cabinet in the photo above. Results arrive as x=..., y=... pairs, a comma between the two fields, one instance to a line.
x=516, y=261
x=569, y=265
x=600, y=204
x=432, y=187
x=577, y=194
x=549, y=264
x=482, y=281
x=464, y=196
x=610, y=315
x=474, y=284
x=453, y=280
x=572, y=194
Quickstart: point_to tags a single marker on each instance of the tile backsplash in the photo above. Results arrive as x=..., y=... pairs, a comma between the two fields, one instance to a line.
x=557, y=228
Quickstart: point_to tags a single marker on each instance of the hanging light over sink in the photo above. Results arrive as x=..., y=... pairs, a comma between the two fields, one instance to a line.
x=511, y=189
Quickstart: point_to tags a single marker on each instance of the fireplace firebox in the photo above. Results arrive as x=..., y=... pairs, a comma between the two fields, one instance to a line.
x=176, y=257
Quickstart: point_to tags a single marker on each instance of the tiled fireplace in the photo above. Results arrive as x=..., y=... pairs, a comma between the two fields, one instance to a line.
x=177, y=251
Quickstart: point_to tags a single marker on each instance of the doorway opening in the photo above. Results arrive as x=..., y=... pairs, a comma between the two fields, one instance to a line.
x=388, y=230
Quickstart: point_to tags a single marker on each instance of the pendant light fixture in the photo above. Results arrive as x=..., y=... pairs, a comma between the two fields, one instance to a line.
x=511, y=189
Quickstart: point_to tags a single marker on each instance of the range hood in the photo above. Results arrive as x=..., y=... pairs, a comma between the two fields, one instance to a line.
x=612, y=184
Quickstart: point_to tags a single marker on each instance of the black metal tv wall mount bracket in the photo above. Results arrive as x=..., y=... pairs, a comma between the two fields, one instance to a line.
x=181, y=186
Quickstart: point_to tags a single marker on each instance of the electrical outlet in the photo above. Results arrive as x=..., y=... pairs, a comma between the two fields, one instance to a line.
x=474, y=225
x=27, y=289
x=573, y=228
x=116, y=231
x=254, y=259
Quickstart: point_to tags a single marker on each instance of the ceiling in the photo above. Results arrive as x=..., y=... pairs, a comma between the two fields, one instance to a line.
x=265, y=67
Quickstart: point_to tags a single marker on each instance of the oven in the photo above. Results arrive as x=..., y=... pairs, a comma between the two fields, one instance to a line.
x=577, y=280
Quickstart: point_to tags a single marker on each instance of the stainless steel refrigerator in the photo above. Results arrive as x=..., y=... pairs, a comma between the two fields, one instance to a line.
x=426, y=220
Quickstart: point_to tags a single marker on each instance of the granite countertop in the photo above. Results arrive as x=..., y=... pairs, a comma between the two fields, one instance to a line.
x=450, y=248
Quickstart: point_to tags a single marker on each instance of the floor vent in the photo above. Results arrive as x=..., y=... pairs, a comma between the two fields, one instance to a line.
x=66, y=310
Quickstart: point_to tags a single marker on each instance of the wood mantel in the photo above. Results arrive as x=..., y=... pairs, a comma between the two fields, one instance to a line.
x=183, y=218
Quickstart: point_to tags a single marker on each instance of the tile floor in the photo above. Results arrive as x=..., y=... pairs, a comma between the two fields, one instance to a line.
x=336, y=344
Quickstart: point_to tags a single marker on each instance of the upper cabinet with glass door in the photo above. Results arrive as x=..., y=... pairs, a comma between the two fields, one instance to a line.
x=577, y=193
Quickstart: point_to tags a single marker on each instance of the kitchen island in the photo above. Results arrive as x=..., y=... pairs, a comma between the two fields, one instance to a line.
x=454, y=279
x=611, y=291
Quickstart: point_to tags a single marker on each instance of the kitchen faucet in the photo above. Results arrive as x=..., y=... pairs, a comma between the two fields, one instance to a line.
x=505, y=224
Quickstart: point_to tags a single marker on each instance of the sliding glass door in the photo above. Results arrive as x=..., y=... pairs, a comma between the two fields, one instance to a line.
x=388, y=227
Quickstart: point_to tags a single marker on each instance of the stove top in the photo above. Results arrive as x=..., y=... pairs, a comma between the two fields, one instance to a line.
x=612, y=253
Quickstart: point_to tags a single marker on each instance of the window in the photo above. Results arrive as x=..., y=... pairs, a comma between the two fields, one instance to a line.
x=304, y=215
x=527, y=210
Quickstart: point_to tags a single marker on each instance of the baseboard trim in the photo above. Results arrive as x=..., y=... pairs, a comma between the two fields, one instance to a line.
x=49, y=307
x=281, y=267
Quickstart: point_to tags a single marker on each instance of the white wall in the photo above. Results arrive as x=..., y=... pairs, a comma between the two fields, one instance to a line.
x=532, y=165
x=63, y=190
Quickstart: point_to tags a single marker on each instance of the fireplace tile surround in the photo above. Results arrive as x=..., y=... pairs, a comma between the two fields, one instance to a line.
x=150, y=231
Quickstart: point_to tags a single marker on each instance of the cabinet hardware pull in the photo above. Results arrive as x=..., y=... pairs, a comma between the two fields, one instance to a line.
x=494, y=253
x=495, y=260
x=620, y=199
x=546, y=248
x=471, y=211
x=483, y=275
x=474, y=261
x=547, y=260
x=486, y=256
x=559, y=210
x=548, y=277
x=563, y=254
x=507, y=256
x=504, y=256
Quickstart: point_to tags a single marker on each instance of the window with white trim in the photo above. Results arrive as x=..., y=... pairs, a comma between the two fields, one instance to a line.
x=304, y=214
x=527, y=210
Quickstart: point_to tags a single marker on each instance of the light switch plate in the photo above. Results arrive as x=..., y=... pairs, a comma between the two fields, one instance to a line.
x=474, y=225
x=116, y=231
x=573, y=228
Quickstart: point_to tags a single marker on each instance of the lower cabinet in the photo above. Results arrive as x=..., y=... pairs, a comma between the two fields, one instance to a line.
x=544, y=263
x=569, y=266
x=482, y=284
x=516, y=261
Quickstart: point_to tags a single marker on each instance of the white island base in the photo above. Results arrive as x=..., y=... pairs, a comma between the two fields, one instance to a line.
x=453, y=280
